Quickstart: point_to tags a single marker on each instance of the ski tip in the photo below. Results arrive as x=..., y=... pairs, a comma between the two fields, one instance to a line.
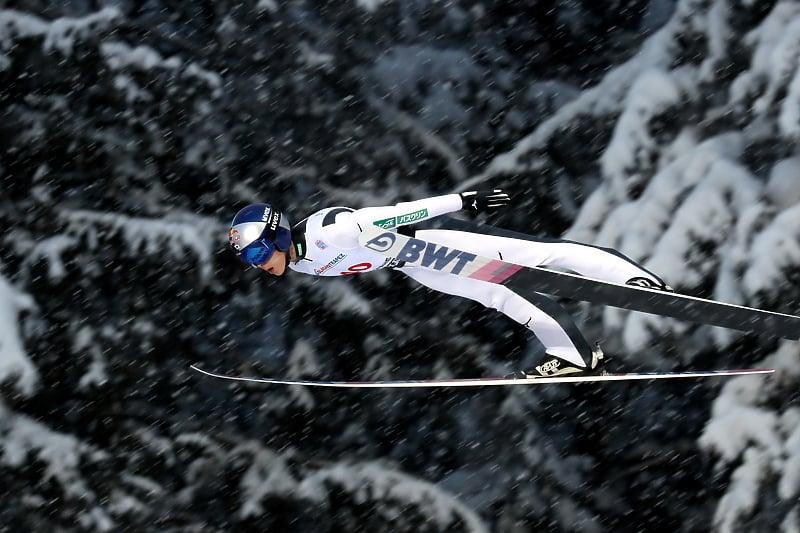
x=752, y=371
x=196, y=368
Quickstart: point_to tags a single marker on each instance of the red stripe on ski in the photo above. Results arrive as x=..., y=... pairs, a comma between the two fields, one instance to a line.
x=496, y=271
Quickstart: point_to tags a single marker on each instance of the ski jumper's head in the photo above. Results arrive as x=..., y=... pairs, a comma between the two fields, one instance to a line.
x=257, y=232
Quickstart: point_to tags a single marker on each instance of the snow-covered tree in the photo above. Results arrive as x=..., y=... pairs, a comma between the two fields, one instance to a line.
x=132, y=133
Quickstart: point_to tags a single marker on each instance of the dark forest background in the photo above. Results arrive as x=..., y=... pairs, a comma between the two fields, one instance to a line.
x=131, y=132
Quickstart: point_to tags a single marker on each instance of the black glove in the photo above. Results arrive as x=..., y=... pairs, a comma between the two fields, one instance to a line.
x=484, y=200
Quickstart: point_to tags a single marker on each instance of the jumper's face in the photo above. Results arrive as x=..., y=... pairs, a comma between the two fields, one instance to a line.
x=275, y=265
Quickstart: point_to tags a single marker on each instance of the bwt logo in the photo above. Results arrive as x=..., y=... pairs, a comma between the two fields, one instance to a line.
x=427, y=254
x=382, y=242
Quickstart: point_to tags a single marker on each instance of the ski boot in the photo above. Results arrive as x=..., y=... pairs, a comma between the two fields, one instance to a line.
x=555, y=366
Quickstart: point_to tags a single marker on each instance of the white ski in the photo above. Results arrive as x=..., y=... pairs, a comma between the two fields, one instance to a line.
x=482, y=382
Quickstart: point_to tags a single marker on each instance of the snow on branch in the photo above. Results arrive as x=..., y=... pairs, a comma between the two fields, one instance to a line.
x=121, y=56
x=61, y=453
x=24, y=441
x=395, y=492
x=742, y=495
x=766, y=443
x=61, y=34
x=97, y=374
x=737, y=424
x=344, y=298
x=609, y=97
x=183, y=237
x=689, y=249
x=268, y=475
x=370, y=5
x=774, y=60
x=633, y=150
x=50, y=250
x=303, y=362
x=14, y=362
x=789, y=484
x=774, y=252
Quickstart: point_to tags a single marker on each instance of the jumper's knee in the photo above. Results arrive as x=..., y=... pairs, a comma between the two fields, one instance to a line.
x=512, y=305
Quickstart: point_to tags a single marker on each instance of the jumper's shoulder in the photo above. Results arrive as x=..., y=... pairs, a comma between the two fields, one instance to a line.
x=334, y=224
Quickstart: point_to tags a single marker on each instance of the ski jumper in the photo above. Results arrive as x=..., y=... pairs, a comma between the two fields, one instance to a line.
x=327, y=245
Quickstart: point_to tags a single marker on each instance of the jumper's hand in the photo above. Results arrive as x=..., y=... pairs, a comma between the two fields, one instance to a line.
x=484, y=200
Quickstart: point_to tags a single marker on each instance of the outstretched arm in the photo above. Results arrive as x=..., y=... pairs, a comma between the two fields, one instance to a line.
x=349, y=224
x=410, y=212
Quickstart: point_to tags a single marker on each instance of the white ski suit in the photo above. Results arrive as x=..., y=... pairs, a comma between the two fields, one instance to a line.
x=327, y=245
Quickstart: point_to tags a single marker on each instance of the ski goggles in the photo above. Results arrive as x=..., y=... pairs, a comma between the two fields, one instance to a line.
x=257, y=252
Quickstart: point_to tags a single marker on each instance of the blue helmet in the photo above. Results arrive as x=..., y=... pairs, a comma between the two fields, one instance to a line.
x=256, y=231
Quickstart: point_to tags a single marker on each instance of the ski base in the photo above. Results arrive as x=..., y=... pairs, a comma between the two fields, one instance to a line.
x=483, y=382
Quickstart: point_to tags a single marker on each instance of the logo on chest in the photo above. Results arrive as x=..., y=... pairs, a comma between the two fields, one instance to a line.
x=335, y=261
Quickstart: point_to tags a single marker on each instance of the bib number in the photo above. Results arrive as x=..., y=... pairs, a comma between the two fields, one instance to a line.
x=357, y=269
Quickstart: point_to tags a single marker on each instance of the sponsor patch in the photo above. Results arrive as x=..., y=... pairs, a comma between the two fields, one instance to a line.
x=386, y=223
x=336, y=260
x=408, y=218
x=429, y=255
x=412, y=217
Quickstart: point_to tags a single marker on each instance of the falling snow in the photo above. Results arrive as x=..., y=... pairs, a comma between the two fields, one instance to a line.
x=665, y=129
